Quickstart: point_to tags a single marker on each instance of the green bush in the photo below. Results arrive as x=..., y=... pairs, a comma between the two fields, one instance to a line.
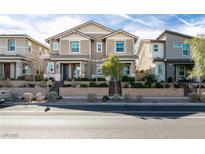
x=21, y=78
x=149, y=79
x=93, y=84
x=67, y=85
x=170, y=79
x=91, y=97
x=167, y=86
x=116, y=97
x=193, y=97
x=126, y=78
x=104, y=84
x=159, y=85
x=137, y=85
x=132, y=79
x=83, y=85
x=105, y=98
x=98, y=79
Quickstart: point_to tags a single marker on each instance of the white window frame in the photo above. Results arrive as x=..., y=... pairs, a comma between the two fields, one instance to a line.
x=9, y=45
x=98, y=43
x=174, y=46
x=123, y=48
x=56, y=44
x=155, y=47
x=71, y=46
x=97, y=68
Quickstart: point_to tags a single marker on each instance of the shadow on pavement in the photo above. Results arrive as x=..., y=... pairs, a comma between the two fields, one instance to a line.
x=144, y=112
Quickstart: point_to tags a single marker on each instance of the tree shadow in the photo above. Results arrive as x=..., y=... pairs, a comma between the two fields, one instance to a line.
x=144, y=112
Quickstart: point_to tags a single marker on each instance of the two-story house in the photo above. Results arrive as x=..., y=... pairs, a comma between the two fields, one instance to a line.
x=20, y=55
x=80, y=51
x=166, y=56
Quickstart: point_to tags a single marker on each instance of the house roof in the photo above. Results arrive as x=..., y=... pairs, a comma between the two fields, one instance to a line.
x=23, y=36
x=82, y=34
x=172, y=32
x=77, y=27
x=120, y=31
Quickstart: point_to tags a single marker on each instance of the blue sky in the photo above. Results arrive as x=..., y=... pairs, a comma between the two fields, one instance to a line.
x=145, y=26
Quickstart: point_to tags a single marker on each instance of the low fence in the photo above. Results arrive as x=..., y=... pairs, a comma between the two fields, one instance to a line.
x=22, y=90
x=69, y=91
x=175, y=92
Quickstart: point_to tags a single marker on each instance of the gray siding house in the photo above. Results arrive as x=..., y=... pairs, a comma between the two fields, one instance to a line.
x=166, y=56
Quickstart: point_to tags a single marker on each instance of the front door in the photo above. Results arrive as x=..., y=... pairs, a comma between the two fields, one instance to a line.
x=65, y=71
x=7, y=70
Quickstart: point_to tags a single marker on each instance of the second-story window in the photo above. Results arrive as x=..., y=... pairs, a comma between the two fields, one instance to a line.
x=56, y=46
x=29, y=46
x=99, y=46
x=177, y=44
x=155, y=47
x=75, y=46
x=120, y=45
x=12, y=45
x=185, y=50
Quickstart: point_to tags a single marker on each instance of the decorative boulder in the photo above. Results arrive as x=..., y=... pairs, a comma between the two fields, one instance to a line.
x=28, y=97
x=40, y=97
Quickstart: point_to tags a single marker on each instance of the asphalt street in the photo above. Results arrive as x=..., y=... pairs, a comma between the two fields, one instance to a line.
x=102, y=121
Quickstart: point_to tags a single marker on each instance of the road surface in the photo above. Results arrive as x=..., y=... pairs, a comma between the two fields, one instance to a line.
x=102, y=121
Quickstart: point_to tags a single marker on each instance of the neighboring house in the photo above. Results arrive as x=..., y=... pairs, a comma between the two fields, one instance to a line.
x=167, y=56
x=80, y=51
x=20, y=55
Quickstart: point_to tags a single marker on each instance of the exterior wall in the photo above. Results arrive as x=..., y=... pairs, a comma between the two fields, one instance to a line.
x=160, y=53
x=145, y=59
x=171, y=52
x=152, y=92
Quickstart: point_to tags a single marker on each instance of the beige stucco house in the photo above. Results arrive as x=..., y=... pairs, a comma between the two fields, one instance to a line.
x=80, y=51
x=167, y=56
x=20, y=55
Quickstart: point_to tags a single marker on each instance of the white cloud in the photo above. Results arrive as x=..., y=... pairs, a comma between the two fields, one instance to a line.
x=148, y=20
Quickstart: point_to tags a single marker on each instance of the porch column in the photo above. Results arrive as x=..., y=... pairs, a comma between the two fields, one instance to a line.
x=82, y=69
x=19, y=69
x=132, y=69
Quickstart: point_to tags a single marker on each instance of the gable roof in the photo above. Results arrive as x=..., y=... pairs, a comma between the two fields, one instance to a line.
x=172, y=32
x=77, y=27
x=79, y=33
x=120, y=31
x=23, y=36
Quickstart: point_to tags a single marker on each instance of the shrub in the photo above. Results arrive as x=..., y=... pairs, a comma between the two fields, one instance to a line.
x=28, y=97
x=167, y=86
x=176, y=85
x=93, y=84
x=21, y=78
x=39, y=97
x=83, y=85
x=91, y=97
x=126, y=78
x=67, y=85
x=127, y=96
x=98, y=79
x=159, y=85
x=52, y=96
x=104, y=84
x=105, y=98
x=116, y=97
x=126, y=85
x=132, y=79
x=137, y=85
x=34, y=99
x=169, y=79
x=147, y=85
x=149, y=79
x=193, y=97
x=14, y=97
x=139, y=98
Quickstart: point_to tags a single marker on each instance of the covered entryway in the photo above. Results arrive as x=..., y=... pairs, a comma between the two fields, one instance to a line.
x=7, y=70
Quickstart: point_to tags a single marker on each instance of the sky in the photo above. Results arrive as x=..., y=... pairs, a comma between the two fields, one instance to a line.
x=147, y=26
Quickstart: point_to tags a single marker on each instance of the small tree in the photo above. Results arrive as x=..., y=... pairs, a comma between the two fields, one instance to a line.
x=113, y=68
x=198, y=54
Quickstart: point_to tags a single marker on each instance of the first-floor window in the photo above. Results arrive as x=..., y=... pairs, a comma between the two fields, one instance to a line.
x=77, y=70
x=75, y=46
x=120, y=45
x=181, y=71
x=12, y=45
x=127, y=70
x=98, y=69
x=25, y=69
